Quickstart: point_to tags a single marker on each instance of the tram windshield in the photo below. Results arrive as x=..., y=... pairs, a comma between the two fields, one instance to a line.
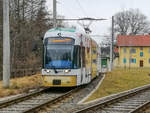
x=59, y=56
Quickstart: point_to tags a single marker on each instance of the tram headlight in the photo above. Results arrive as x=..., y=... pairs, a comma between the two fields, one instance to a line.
x=48, y=71
x=67, y=71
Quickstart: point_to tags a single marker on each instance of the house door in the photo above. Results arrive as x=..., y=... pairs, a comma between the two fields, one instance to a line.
x=141, y=63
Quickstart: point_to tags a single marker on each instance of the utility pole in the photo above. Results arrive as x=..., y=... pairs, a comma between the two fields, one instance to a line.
x=6, y=44
x=100, y=58
x=54, y=13
x=1, y=39
x=111, y=46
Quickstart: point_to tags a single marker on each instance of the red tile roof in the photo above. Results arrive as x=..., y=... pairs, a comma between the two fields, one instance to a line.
x=137, y=40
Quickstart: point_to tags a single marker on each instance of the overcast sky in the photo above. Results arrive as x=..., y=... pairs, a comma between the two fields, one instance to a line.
x=98, y=9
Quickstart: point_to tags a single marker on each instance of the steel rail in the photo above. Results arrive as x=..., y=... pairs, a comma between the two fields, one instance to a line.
x=4, y=106
x=51, y=102
x=20, y=98
x=140, y=108
x=130, y=93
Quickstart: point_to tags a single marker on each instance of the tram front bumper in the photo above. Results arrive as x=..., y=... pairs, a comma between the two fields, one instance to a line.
x=59, y=81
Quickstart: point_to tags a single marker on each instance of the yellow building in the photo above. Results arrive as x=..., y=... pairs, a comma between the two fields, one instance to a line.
x=134, y=51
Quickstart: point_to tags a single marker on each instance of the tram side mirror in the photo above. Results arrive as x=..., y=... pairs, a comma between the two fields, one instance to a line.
x=42, y=38
x=41, y=67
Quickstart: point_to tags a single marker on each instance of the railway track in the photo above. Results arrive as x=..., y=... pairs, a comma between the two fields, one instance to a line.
x=34, y=101
x=132, y=101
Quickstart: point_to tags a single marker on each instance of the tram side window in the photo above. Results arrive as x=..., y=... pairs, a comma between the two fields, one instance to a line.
x=83, y=56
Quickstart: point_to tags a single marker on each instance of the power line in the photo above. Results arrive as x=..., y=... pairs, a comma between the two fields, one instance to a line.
x=75, y=19
x=86, y=27
x=68, y=10
x=84, y=12
x=100, y=36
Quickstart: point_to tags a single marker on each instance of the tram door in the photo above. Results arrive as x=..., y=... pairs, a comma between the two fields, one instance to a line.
x=82, y=62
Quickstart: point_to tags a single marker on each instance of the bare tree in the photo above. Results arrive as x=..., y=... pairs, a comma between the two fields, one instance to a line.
x=106, y=41
x=29, y=19
x=131, y=22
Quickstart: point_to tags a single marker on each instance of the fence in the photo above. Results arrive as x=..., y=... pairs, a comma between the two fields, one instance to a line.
x=23, y=72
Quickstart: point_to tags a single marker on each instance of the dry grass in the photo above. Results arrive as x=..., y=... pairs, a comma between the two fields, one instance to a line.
x=20, y=85
x=120, y=80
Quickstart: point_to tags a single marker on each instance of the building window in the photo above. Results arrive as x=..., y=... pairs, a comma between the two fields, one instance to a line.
x=141, y=48
x=124, y=61
x=94, y=61
x=132, y=60
x=132, y=50
x=94, y=51
x=141, y=54
x=149, y=50
x=124, y=50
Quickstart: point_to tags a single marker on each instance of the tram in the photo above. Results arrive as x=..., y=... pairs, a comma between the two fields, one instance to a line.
x=70, y=58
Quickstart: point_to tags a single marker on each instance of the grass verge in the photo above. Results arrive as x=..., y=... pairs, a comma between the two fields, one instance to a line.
x=20, y=85
x=120, y=80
